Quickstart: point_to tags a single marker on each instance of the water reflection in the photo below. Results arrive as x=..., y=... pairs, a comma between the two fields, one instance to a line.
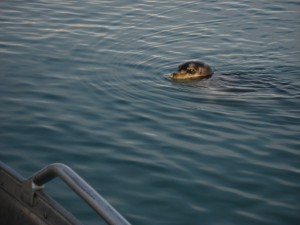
x=87, y=84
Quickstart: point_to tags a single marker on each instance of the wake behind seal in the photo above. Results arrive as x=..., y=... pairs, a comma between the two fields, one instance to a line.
x=192, y=70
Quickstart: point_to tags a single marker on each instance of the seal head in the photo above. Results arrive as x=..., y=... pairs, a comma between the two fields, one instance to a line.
x=192, y=70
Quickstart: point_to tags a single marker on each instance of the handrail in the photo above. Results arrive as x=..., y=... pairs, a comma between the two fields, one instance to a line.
x=83, y=189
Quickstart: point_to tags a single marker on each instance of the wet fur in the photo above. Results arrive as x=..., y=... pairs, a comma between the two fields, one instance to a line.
x=192, y=70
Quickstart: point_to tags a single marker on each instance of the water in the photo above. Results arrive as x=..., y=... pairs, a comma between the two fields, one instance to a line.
x=85, y=83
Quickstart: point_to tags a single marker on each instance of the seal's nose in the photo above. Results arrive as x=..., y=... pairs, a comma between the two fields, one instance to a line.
x=173, y=75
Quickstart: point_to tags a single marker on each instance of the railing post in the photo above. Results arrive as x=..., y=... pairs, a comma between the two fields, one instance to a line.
x=80, y=187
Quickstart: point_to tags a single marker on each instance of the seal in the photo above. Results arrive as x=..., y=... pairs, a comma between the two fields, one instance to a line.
x=192, y=70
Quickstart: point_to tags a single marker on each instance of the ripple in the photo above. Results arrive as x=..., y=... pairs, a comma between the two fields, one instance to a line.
x=87, y=84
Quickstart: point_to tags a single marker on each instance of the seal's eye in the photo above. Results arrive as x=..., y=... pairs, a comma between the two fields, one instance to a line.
x=191, y=71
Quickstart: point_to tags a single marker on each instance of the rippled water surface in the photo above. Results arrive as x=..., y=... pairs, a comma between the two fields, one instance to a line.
x=86, y=83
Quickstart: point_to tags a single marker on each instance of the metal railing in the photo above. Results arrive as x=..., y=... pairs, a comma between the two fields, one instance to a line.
x=77, y=184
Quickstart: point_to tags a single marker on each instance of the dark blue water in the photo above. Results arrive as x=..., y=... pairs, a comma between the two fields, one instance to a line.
x=85, y=83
